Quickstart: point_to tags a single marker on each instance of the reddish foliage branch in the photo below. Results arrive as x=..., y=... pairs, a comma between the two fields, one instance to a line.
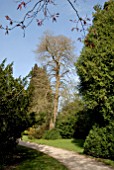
x=39, y=7
x=85, y=22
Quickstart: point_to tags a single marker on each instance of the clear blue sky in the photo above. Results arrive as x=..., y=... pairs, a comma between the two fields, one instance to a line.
x=20, y=50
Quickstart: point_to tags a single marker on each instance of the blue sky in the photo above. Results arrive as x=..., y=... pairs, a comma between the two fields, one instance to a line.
x=20, y=50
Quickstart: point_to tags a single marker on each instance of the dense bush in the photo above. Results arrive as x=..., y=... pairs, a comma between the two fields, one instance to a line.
x=52, y=134
x=14, y=116
x=65, y=124
x=37, y=131
x=100, y=142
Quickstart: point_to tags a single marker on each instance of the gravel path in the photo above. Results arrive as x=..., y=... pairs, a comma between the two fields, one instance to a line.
x=70, y=159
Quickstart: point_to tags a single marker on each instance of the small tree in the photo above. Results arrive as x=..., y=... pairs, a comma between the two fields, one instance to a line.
x=56, y=54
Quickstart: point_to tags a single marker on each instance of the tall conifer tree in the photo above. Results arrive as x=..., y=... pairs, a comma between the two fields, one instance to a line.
x=40, y=96
x=95, y=68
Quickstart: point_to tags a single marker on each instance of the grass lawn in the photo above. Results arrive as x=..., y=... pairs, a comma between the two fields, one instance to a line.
x=69, y=144
x=29, y=159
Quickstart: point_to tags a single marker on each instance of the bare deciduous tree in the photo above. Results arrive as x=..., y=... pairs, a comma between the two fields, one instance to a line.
x=56, y=54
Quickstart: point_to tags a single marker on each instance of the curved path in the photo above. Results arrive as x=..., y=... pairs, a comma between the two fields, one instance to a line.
x=70, y=159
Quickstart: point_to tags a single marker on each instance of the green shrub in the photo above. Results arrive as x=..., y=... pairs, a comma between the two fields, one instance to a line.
x=52, y=134
x=100, y=142
x=65, y=125
x=37, y=131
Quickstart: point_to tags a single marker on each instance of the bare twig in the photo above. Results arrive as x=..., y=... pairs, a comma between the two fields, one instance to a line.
x=39, y=6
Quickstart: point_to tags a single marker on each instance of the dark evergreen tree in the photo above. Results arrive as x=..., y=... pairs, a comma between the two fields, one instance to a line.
x=95, y=68
x=40, y=99
x=14, y=117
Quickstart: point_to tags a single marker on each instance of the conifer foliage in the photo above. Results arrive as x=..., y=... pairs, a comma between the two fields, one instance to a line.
x=14, y=117
x=95, y=68
x=40, y=90
x=41, y=99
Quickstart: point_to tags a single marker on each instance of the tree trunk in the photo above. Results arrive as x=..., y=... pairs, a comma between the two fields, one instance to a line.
x=56, y=99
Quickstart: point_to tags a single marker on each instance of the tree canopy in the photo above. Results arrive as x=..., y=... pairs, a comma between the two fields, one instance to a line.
x=95, y=68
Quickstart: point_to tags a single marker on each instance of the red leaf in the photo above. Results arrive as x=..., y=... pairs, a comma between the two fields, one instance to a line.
x=8, y=18
x=21, y=5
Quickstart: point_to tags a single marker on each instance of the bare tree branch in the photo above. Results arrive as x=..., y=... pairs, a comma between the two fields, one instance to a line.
x=39, y=7
x=77, y=14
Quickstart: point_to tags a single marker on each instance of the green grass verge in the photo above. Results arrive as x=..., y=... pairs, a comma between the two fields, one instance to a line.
x=106, y=161
x=29, y=159
x=69, y=144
